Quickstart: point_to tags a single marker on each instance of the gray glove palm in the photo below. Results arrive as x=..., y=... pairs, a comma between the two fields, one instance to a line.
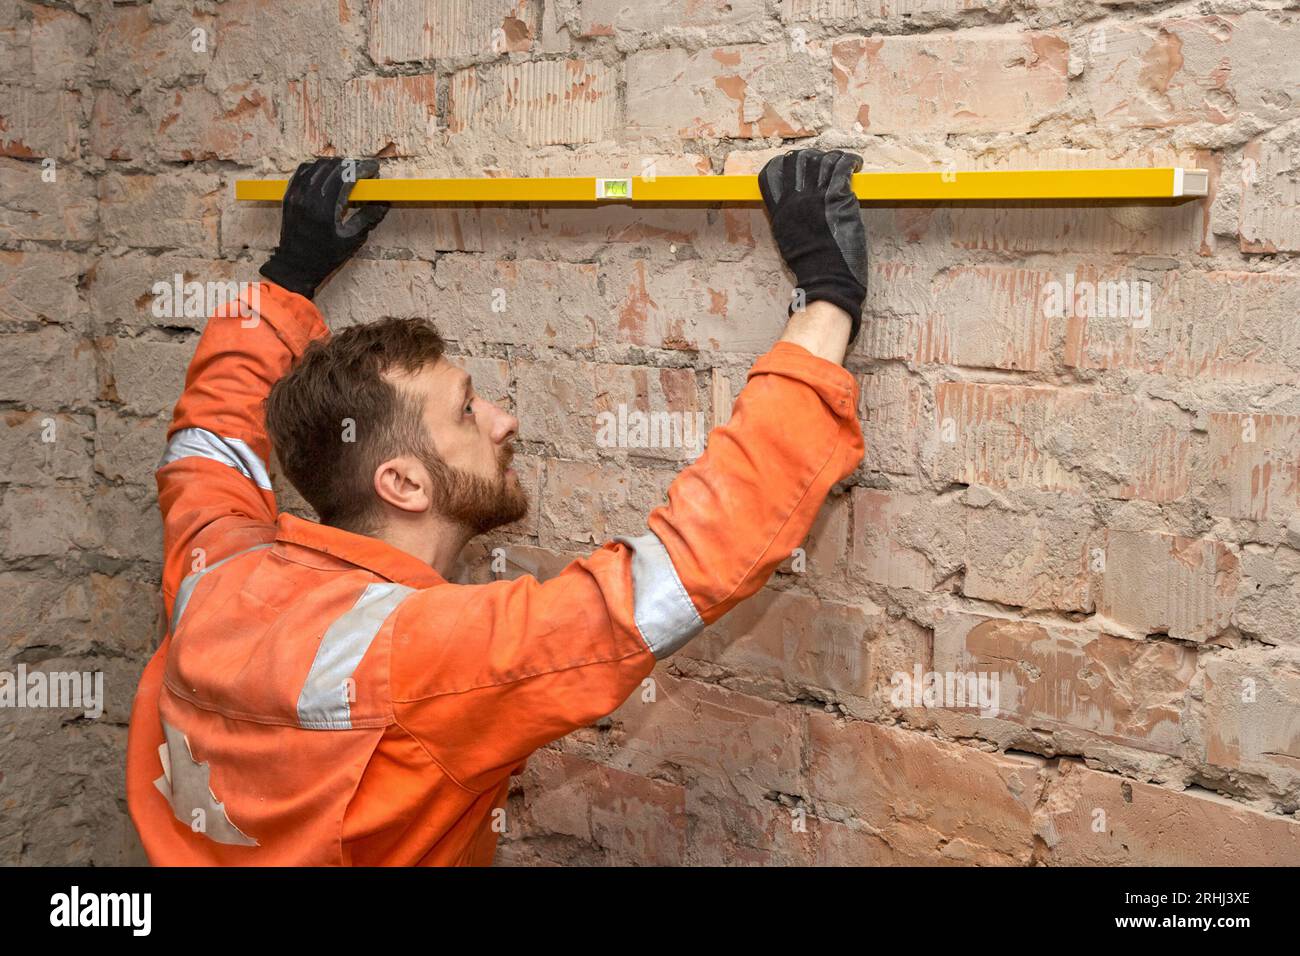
x=315, y=239
x=817, y=224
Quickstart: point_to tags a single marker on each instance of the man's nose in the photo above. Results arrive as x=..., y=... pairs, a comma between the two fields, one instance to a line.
x=504, y=425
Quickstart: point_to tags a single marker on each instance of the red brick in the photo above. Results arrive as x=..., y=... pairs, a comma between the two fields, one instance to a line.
x=742, y=92
x=835, y=11
x=370, y=289
x=1139, y=229
x=540, y=303
x=39, y=287
x=982, y=83
x=41, y=522
x=633, y=820
x=796, y=641
x=682, y=305
x=120, y=129
x=1254, y=465
x=826, y=548
x=1059, y=440
x=145, y=375
x=1147, y=825
x=571, y=405
x=1248, y=339
x=1270, y=603
x=587, y=503
x=40, y=610
x=59, y=50
x=892, y=421
x=535, y=103
x=126, y=523
x=741, y=18
x=670, y=235
x=1157, y=583
x=173, y=210
x=1270, y=202
x=530, y=470
x=122, y=288
x=128, y=448
x=728, y=743
x=366, y=116
x=1033, y=560
x=929, y=801
x=880, y=518
x=604, y=159
x=38, y=447
x=1071, y=679
x=134, y=50
x=328, y=37
x=980, y=316
x=36, y=124
x=1018, y=558
x=735, y=833
x=491, y=377
x=1252, y=697
x=126, y=615
x=241, y=124
x=47, y=370
x=1167, y=72
x=407, y=30
x=427, y=231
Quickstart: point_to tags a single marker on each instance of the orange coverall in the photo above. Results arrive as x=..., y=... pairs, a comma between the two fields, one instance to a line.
x=322, y=697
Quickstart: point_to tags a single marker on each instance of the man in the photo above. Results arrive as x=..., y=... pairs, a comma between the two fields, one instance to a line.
x=323, y=694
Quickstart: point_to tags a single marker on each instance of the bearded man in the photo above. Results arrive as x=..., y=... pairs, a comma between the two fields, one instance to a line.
x=324, y=694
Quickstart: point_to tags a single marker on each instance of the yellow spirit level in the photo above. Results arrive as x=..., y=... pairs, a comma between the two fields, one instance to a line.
x=1159, y=183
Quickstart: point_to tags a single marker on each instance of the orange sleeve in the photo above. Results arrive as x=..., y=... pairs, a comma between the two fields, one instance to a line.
x=483, y=675
x=740, y=510
x=214, y=487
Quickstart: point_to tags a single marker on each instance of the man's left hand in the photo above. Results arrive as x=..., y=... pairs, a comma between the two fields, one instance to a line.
x=315, y=239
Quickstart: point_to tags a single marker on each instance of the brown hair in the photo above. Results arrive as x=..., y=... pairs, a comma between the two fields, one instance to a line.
x=340, y=379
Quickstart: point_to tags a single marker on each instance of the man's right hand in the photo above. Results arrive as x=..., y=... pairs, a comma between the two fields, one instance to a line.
x=315, y=239
x=817, y=224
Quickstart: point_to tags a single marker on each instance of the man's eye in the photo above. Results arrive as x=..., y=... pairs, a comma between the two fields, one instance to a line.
x=469, y=408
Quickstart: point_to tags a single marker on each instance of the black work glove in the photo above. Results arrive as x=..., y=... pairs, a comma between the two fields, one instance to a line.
x=818, y=227
x=315, y=239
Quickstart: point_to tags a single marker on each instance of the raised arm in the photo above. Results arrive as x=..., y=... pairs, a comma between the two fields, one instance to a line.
x=534, y=661
x=214, y=488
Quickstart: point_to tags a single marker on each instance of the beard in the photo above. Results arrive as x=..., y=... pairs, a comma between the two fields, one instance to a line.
x=478, y=503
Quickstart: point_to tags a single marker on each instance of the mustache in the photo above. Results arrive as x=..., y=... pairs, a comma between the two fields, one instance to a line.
x=506, y=456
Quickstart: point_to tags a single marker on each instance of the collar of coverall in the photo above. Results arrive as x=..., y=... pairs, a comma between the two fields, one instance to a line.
x=383, y=559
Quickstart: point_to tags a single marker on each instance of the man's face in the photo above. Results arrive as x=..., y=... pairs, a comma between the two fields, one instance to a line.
x=471, y=447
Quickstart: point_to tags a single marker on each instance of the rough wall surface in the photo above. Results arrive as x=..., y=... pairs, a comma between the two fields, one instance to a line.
x=1092, y=506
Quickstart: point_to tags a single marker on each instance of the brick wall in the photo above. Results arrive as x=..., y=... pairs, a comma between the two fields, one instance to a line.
x=1096, y=509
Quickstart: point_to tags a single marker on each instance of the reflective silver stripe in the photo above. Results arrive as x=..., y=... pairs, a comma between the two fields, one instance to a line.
x=191, y=582
x=201, y=443
x=664, y=612
x=324, y=703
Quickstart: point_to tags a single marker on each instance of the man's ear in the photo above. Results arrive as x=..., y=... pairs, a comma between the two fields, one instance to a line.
x=403, y=483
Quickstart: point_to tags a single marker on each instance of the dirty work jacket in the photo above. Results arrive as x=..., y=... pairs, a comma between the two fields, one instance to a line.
x=324, y=698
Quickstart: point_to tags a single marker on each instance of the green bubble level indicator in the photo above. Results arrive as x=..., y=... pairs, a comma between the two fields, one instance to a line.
x=613, y=189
